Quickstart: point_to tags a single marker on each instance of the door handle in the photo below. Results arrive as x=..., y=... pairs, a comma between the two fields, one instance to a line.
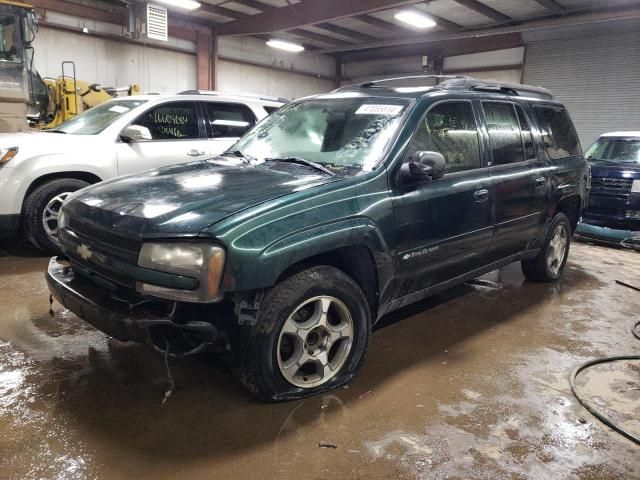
x=195, y=153
x=481, y=195
x=541, y=182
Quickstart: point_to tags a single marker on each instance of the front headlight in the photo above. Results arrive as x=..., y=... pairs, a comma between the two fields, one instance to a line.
x=635, y=186
x=202, y=261
x=7, y=154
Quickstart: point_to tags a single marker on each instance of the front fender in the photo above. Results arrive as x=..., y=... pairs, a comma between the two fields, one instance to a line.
x=30, y=170
x=268, y=265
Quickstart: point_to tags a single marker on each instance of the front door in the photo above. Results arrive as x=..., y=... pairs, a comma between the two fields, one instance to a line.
x=444, y=226
x=177, y=136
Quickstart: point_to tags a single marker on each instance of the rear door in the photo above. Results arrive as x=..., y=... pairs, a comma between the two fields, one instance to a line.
x=177, y=133
x=520, y=178
x=444, y=226
x=226, y=122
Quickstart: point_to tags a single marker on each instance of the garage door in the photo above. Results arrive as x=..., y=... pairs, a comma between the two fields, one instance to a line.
x=597, y=77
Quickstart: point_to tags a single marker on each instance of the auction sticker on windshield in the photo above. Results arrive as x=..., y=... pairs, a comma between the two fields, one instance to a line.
x=374, y=109
x=118, y=109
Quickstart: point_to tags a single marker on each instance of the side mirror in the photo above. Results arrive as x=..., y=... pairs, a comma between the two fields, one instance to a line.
x=136, y=133
x=426, y=166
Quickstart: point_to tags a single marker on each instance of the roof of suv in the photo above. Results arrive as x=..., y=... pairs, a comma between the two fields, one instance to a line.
x=449, y=83
x=622, y=134
x=213, y=96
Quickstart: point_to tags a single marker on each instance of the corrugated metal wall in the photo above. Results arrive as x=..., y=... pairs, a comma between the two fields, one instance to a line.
x=597, y=77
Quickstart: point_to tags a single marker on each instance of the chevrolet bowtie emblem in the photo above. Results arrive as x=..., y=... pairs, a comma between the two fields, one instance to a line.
x=84, y=251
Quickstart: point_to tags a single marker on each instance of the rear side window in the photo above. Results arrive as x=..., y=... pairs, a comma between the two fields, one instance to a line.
x=228, y=120
x=171, y=121
x=450, y=129
x=504, y=133
x=558, y=133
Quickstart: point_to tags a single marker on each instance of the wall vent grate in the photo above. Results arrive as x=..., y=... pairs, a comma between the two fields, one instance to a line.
x=157, y=22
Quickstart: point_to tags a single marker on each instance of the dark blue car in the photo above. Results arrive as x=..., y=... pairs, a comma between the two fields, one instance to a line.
x=613, y=213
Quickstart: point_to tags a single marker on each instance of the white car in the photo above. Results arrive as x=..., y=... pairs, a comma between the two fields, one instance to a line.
x=38, y=170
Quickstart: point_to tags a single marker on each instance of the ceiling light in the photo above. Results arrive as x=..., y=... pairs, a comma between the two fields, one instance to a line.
x=415, y=19
x=288, y=46
x=186, y=4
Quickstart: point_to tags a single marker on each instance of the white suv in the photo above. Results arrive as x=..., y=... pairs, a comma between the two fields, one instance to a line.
x=38, y=170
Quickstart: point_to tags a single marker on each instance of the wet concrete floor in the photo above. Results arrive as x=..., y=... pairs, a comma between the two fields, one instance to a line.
x=470, y=384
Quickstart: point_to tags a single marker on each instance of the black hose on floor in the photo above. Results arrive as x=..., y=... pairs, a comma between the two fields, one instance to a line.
x=631, y=436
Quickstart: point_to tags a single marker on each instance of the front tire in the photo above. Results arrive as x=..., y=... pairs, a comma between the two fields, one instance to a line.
x=41, y=212
x=549, y=264
x=311, y=335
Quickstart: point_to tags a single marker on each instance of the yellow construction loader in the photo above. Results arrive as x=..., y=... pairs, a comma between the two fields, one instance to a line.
x=68, y=97
x=27, y=100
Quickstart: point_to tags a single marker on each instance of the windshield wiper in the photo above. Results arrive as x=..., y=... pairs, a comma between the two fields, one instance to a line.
x=238, y=153
x=302, y=161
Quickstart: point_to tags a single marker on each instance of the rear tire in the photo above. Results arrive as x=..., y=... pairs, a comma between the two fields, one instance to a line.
x=311, y=335
x=549, y=264
x=40, y=212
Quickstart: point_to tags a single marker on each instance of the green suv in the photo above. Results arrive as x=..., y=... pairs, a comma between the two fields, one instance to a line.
x=333, y=211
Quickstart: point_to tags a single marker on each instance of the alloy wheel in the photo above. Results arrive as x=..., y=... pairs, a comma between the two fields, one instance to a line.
x=50, y=216
x=315, y=341
x=557, y=250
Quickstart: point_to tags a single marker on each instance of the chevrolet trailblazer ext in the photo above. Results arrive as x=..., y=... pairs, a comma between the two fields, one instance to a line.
x=333, y=211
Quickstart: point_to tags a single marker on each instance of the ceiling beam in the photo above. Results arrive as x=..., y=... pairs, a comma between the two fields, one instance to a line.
x=345, y=32
x=116, y=15
x=586, y=17
x=304, y=13
x=552, y=5
x=453, y=47
x=317, y=37
x=485, y=10
x=225, y=12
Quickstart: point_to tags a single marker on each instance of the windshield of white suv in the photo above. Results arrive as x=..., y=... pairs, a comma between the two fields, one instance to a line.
x=615, y=149
x=98, y=118
x=344, y=134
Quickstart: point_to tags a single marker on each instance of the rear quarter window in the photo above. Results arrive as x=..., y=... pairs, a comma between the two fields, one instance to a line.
x=559, y=136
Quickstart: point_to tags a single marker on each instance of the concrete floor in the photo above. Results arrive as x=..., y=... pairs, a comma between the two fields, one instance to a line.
x=471, y=384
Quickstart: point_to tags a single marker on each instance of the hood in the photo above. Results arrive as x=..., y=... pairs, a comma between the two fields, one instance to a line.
x=183, y=200
x=31, y=144
x=607, y=168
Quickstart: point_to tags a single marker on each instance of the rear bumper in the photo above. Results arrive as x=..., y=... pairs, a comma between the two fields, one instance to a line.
x=609, y=236
x=123, y=321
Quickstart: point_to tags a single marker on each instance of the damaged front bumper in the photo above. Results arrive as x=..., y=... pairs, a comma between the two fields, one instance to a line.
x=608, y=236
x=124, y=320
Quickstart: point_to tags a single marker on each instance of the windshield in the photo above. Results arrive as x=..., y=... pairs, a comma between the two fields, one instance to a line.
x=346, y=134
x=98, y=118
x=10, y=39
x=622, y=150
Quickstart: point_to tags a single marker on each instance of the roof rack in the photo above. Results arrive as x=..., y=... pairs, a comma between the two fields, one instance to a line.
x=229, y=94
x=373, y=83
x=473, y=84
x=461, y=82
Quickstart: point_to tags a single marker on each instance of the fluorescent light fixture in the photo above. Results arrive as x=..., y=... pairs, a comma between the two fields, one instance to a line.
x=415, y=19
x=186, y=4
x=288, y=46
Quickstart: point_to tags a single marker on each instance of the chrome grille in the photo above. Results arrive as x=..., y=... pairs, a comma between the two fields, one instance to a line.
x=611, y=184
x=105, y=237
